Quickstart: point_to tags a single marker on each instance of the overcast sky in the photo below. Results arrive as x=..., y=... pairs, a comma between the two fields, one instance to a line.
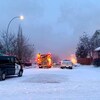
x=52, y=25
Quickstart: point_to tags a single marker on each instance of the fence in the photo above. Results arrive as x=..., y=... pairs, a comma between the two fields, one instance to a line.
x=85, y=61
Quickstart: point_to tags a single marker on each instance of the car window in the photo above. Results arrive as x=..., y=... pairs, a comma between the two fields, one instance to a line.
x=16, y=61
x=12, y=60
x=66, y=62
x=4, y=60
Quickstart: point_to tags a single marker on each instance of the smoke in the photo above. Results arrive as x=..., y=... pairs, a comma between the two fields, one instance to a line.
x=64, y=22
x=53, y=25
x=81, y=15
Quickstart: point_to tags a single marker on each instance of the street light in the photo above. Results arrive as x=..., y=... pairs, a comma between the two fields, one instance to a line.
x=20, y=17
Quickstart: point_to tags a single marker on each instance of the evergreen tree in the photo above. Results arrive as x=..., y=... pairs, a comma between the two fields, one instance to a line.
x=84, y=47
x=81, y=52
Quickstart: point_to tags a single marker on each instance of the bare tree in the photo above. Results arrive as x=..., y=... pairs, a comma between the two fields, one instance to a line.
x=24, y=51
x=7, y=41
x=17, y=45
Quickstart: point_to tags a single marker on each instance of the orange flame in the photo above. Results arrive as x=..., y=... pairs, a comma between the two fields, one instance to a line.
x=73, y=59
x=49, y=60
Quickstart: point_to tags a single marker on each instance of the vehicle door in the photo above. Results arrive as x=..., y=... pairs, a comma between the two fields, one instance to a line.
x=10, y=66
x=17, y=66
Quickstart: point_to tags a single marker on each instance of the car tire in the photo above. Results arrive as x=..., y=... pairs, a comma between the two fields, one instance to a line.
x=70, y=67
x=20, y=73
x=3, y=76
x=62, y=67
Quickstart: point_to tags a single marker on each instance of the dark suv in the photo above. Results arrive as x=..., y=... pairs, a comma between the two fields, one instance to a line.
x=10, y=65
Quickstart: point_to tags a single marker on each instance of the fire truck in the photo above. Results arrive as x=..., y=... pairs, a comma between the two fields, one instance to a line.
x=44, y=60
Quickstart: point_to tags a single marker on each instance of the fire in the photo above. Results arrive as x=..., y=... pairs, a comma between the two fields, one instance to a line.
x=38, y=55
x=38, y=60
x=73, y=59
x=49, y=60
x=44, y=60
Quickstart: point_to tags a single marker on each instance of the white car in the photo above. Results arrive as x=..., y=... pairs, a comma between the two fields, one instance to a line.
x=66, y=64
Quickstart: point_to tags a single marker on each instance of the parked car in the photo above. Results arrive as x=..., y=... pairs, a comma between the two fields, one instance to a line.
x=96, y=62
x=27, y=64
x=10, y=65
x=66, y=64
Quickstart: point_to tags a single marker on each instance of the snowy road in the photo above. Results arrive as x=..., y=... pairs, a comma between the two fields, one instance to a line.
x=80, y=83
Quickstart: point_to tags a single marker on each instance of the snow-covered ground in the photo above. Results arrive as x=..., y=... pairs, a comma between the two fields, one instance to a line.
x=80, y=83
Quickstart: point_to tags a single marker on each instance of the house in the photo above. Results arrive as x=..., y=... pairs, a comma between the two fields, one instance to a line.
x=96, y=48
x=96, y=53
x=96, y=40
x=96, y=57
